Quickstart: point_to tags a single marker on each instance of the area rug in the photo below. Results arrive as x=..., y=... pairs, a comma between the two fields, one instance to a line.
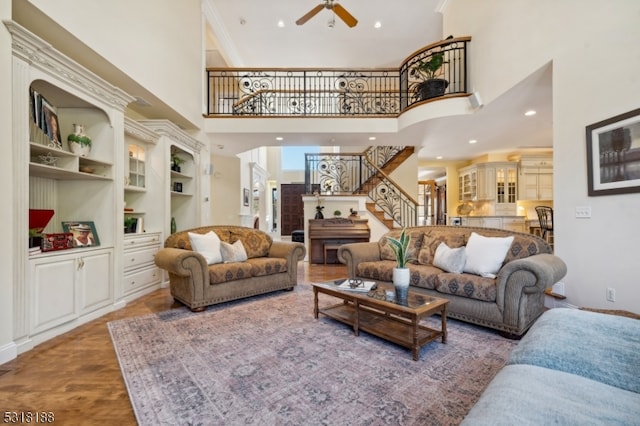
x=267, y=361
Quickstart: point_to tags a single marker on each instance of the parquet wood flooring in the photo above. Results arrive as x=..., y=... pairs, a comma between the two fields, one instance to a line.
x=76, y=375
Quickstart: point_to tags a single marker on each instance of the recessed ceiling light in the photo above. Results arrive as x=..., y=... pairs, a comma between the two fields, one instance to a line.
x=472, y=141
x=279, y=138
x=377, y=25
x=281, y=24
x=530, y=113
x=439, y=157
x=372, y=138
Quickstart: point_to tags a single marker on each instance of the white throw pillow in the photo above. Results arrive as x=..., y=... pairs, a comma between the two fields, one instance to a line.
x=233, y=252
x=207, y=245
x=449, y=259
x=486, y=254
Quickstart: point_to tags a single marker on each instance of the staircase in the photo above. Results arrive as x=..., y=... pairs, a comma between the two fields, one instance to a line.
x=366, y=174
x=387, y=167
x=380, y=215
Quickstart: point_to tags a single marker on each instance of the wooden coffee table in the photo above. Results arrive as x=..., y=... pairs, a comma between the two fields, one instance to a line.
x=373, y=313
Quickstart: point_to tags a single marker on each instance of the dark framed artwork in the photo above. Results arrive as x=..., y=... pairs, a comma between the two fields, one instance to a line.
x=613, y=155
x=84, y=233
x=245, y=197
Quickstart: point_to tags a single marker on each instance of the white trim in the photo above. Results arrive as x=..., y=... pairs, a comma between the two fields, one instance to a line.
x=8, y=352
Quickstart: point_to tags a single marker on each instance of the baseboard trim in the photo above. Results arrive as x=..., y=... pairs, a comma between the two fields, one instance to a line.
x=559, y=304
x=8, y=352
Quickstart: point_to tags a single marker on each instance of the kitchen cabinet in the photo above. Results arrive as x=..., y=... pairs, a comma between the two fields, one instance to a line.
x=536, y=178
x=506, y=188
x=516, y=224
x=486, y=182
x=492, y=181
x=467, y=184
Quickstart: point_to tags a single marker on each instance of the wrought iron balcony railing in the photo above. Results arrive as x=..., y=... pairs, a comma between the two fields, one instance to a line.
x=335, y=92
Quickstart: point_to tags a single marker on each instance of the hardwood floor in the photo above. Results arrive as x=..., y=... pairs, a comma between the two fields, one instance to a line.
x=76, y=376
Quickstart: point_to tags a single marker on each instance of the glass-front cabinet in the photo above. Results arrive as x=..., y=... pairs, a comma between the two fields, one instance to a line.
x=506, y=189
x=506, y=185
x=494, y=183
x=136, y=166
x=468, y=181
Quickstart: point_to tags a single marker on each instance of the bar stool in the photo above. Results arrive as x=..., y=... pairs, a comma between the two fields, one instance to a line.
x=545, y=217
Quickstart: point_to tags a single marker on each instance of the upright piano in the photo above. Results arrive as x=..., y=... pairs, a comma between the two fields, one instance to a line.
x=326, y=235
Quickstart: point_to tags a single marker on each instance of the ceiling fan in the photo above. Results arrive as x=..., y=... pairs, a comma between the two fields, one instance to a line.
x=331, y=5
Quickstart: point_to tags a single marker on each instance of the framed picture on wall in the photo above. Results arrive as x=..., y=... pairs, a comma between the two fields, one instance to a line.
x=84, y=233
x=613, y=155
x=245, y=196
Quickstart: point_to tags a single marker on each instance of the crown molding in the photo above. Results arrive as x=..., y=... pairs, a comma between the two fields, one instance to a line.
x=41, y=55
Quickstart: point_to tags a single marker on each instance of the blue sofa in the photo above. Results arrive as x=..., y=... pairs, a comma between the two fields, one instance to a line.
x=573, y=367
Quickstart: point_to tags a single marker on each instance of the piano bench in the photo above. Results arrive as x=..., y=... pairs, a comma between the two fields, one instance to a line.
x=297, y=236
x=328, y=247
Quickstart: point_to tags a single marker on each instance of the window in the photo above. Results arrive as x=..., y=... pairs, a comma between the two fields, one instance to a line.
x=292, y=157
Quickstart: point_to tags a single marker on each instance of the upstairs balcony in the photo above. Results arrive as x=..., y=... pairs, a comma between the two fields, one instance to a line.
x=434, y=72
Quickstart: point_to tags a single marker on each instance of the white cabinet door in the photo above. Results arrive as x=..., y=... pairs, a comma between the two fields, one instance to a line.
x=482, y=222
x=514, y=224
x=472, y=221
x=486, y=183
x=492, y=222
x=94, y=277
x=536, y=184
x=66, y=286
x=54, y=292
x=545, y=186
x=528, y=186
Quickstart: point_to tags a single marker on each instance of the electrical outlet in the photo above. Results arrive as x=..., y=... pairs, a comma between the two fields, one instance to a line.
x=583, y=212
x=611, y=294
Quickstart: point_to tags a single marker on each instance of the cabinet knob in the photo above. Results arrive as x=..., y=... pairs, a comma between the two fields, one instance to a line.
x=133, y=259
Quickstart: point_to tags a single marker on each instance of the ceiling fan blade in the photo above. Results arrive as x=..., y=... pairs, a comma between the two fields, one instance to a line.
x=345, y=16
x=313, y=12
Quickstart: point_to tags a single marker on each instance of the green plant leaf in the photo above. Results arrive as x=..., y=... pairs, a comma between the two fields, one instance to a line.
x=400, y=248
x=429, y=68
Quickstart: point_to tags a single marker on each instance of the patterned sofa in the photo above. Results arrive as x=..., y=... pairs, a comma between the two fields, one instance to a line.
x=271, y=265
x=510, y=302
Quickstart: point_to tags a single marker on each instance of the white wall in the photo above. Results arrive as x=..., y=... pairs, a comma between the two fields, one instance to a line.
x=156, y=43
x=226, y=192
x=595, y=62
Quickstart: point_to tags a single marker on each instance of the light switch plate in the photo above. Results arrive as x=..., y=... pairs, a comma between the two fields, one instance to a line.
x=583, y=212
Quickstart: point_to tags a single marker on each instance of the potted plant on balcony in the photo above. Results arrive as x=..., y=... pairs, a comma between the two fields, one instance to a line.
x=430, y=71
x=401, y=274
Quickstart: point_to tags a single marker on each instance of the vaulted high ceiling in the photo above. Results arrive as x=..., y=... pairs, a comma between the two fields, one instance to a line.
x=245, y=33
